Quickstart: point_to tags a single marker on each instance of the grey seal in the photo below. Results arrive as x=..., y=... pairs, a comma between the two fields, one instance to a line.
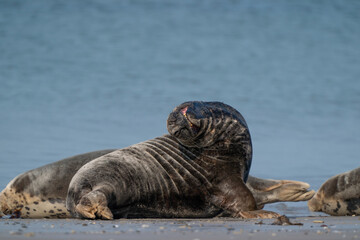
x=339, y=195
x=41, y=192
x=200, y=169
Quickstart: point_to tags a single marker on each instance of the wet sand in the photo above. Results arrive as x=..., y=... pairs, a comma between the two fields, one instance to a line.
x=323, y=227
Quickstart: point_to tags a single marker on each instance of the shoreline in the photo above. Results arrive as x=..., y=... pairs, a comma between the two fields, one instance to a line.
x=313, y=227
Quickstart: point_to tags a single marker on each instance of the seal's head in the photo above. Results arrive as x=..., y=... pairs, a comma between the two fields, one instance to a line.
x=208, y=125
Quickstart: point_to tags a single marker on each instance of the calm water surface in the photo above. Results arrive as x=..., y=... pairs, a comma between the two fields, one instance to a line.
x=79, y=76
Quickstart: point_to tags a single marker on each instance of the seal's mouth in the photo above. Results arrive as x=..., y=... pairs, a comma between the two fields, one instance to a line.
x=192, y=125
x=184, y=110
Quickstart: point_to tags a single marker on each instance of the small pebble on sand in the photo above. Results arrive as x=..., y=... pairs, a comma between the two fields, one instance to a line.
x=29, y=234
x=15, y=232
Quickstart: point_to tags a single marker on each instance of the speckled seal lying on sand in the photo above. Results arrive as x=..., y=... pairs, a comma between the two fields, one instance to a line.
x=339, y=195
x=199, y=170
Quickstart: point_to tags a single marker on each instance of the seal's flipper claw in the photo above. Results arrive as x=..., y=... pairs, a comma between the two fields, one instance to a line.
x=104, y=213
x=257, y=214
x=85, y=211
x=92, y=205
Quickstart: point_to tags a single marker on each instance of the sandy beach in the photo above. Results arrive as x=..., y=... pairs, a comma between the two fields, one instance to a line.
x=219, y=228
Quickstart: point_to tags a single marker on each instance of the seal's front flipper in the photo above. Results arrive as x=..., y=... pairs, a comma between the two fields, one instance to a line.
x=270, y=191
x=92, y=205
x=232, y=195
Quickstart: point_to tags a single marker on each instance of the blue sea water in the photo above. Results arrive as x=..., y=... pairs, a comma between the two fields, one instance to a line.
x=78, y=76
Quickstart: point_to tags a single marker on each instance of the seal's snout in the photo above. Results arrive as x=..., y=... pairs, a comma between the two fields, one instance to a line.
x=183, y=123
x=175, y=123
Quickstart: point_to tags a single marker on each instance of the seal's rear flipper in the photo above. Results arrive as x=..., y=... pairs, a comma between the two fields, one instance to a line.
x=270, y=191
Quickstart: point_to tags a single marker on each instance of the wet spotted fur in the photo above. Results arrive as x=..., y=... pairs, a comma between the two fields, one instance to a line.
x=41, y=192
